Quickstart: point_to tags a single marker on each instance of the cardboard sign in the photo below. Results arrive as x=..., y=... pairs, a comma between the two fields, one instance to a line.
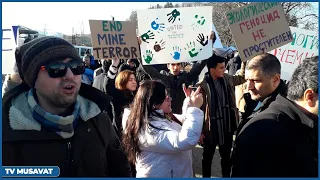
x=258, y=28
x=305, y=44
x=114, y=38
x=10, y=36
x=175, y=35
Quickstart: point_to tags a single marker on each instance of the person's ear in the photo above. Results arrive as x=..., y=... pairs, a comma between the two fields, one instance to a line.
x=276, y=80
x=310, y=97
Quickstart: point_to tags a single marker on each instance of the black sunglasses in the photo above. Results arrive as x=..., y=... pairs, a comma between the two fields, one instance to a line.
x=59, y=69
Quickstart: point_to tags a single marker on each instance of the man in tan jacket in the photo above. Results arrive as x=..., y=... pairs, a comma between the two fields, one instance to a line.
x=221, y=114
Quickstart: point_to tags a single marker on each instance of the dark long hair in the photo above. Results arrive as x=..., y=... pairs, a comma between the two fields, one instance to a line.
x=150, y=94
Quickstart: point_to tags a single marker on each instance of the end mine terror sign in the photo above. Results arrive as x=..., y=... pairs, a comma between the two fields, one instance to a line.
x=259, y=28
x=114, y=38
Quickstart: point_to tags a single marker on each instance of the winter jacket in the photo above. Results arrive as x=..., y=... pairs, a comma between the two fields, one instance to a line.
x=93, y=151
x=97, y=72
x=100, y=82
x=250, y=111
x=121, y=100
x=92, y=61
x=231, y=82
x=281, y=141
x=166, y=153
x=89, y=73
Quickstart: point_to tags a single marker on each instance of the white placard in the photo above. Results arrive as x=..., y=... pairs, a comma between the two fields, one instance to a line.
x=305, y=44
x=174, y=35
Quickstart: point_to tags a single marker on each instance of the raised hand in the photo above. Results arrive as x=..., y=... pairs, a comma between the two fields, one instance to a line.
x=196, y=98
x=187, y=91
x=213, y=37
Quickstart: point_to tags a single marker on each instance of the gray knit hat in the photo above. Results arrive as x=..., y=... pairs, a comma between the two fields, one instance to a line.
x=39, y=52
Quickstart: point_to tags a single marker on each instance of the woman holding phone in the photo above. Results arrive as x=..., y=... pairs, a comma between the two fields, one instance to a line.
x=160, y=145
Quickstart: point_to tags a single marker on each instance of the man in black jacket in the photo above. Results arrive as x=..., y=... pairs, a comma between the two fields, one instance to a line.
x=51, y=119
x=263, y=85
x=282, y=141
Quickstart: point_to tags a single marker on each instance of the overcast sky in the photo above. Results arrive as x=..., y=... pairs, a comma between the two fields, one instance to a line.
x=63, y=16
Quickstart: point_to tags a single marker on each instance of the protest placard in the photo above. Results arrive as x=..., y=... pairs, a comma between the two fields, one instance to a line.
x=305, y=44
x=114, y=38
x=175, y=35
x=259, y=28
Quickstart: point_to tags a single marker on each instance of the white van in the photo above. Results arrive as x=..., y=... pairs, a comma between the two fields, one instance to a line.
x=82, y=50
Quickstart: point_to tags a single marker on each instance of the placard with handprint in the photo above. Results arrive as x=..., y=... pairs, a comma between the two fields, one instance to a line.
x=174, y=35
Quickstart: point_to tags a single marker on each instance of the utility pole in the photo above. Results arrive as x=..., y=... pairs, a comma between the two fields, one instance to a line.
x=73, y=37
x=82, y=34
x=45, y=30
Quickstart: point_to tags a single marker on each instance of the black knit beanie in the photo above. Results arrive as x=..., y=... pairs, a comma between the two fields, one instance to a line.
x=39, y=52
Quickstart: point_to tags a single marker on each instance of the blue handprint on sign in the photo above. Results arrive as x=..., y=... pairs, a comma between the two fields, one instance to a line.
x=176, y=53
x=157, y=26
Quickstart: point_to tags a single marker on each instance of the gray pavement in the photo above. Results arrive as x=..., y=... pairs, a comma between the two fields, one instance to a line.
x=197, y=163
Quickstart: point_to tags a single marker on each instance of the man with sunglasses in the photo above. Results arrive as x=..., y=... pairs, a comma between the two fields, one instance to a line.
x=51, y=119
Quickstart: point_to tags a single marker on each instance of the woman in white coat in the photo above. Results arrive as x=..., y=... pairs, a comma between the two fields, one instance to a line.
x=159, y=144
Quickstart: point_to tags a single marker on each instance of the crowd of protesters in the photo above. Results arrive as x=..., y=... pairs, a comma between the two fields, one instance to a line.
x=120, y=118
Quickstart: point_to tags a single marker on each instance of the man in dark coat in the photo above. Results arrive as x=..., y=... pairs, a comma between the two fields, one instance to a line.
x=263, y=83
x=282, y=141
x=51, y=119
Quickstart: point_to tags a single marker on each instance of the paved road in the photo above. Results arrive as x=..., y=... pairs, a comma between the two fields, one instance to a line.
x=215, y=167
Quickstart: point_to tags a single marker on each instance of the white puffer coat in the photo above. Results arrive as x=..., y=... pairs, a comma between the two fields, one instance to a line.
x=167, y=153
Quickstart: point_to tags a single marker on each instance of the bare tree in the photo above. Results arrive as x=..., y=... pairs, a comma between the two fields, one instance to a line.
x=168, y=5
x=133, y=18
x=301, y=13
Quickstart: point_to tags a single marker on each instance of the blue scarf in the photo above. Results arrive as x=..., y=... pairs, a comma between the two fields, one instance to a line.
x=63, y=126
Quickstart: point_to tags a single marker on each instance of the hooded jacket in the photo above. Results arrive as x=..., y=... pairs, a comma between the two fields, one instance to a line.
x=281, y=141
